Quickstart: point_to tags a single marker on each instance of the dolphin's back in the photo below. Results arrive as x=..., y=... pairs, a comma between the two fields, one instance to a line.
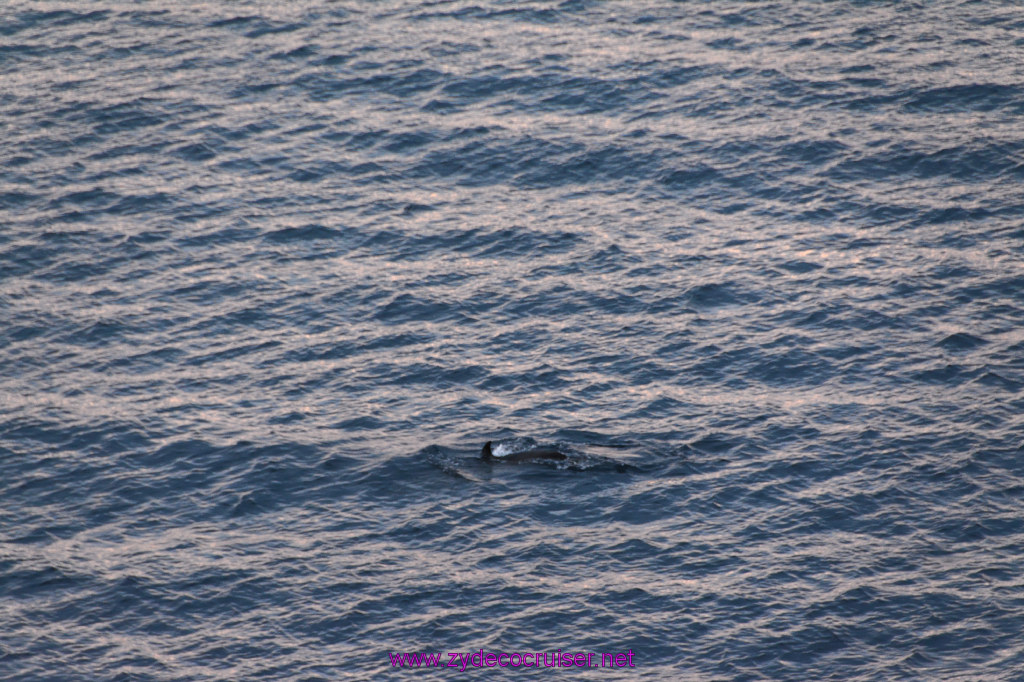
x=535, y=454
x=532, y=455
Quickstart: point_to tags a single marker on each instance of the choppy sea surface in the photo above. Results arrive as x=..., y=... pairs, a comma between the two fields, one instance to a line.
x=272, y=273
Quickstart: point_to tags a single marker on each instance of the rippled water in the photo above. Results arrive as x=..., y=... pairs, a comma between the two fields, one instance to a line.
x=272, y=273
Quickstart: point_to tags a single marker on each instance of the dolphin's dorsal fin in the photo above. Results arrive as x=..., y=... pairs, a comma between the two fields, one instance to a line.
x=486, y=453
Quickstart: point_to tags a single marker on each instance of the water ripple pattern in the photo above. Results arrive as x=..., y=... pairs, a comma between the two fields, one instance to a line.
x=272, y=273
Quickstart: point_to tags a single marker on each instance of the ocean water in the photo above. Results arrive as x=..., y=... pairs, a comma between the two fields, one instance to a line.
x=272, y=273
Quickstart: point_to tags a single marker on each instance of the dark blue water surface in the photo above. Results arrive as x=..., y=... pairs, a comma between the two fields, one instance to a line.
x=272, y=273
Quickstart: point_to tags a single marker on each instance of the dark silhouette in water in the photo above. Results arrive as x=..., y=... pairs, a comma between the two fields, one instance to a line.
x=532, y=455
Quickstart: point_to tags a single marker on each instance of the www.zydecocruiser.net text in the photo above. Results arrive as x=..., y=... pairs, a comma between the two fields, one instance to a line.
x=518, y=659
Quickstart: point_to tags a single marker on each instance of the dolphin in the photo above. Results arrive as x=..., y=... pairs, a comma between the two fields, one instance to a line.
x=531, y=455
